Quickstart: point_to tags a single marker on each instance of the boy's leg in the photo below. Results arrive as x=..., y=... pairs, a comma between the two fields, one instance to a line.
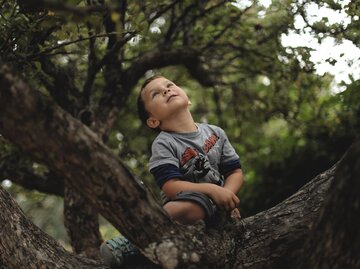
x=187, y=207
x=190, y=207
x=184, y=212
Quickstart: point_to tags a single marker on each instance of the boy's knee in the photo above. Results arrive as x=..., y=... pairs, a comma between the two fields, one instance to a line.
x=189, y=206
x=185, y=212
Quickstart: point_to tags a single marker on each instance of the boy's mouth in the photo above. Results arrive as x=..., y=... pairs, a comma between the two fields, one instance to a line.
x=170, y=97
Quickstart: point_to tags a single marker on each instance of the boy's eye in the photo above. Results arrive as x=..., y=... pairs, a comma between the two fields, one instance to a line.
x=169, y=85
x=154, y=94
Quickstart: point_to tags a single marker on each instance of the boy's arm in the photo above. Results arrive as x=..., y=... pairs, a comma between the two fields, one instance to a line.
x=234, y=181
x=222, y=197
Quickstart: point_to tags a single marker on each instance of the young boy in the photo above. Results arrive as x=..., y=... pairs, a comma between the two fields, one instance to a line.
x=194, y=164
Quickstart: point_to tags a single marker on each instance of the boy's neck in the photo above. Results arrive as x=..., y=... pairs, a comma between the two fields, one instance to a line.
x=180, y=123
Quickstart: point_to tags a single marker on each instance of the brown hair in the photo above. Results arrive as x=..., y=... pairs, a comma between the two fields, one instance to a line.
x=142, y=112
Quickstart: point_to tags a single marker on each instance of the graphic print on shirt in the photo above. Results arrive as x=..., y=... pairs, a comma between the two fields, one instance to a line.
x=196, y=167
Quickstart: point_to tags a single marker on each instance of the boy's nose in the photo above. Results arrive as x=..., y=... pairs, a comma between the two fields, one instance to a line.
x=166, y=91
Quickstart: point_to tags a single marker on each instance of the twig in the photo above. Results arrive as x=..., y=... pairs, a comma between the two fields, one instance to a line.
x=92, y=62
x=96, y=67
x=63, y=53
x=2, y=3
x=69, y=43
x=225, y=29
x=63, y=7
x=172, y=32
x=160, y=12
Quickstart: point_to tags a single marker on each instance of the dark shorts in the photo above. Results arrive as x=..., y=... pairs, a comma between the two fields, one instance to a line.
x=197, y=197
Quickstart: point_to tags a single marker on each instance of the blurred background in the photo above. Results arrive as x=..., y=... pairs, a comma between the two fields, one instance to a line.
x=280, y=77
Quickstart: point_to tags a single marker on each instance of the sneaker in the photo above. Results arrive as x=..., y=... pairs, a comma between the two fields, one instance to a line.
x=118, y=251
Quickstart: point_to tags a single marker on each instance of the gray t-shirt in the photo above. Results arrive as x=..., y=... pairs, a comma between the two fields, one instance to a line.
x=200, y=156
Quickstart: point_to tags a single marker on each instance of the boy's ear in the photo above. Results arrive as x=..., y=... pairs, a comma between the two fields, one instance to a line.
x=152, y=122
x=189, y=102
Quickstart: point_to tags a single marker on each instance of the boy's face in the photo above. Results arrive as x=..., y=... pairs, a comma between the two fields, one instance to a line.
x=162, y=99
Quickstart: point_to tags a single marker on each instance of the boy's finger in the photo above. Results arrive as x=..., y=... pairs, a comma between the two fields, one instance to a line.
x=229, y=206
x=233, y=205
x=238, y=213
x=235, y=214
x=236, y=199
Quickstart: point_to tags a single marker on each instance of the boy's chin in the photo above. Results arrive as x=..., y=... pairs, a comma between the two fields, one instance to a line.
x=178, y=104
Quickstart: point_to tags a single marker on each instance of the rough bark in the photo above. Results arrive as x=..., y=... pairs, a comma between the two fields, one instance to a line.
x=23, y=245
x=77, y=153
x=80, y=219
x=62, y=91
x=273, y=236
x=266, y=240
x=335, y=240
x=82, y=224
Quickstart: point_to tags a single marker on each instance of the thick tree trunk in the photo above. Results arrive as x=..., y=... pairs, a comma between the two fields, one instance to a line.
x=266, y=240
x=76, y=212
x=82, y=224
x=52, y=136
x=270, y=239
x=80, y=219
x=335, y=241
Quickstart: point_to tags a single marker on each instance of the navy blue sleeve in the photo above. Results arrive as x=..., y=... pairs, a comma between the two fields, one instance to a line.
x=230, y=166
x=165, y=172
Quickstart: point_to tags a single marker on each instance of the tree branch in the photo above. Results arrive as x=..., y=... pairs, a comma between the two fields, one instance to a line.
x=92, y=59
x=151, y=18
x=118, y=89
x=64, y=144
x=35, y=5
x=82, y=225
x=335, y=240
x=18, y=169
x=63, y=84
x=64, y=44
x=50, y=183
x=172, y=31
x=280, y=231
x=114, y=93
x=225, y=29
x=180, y=56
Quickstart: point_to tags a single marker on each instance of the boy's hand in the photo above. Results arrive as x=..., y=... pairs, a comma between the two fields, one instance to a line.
x=223, y=198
